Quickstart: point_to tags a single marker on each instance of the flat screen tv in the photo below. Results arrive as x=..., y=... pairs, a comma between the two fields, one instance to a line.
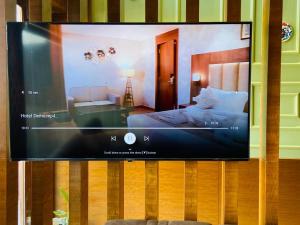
x=170, y=91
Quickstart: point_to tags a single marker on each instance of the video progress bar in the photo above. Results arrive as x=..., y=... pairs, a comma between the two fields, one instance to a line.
x=129, y=128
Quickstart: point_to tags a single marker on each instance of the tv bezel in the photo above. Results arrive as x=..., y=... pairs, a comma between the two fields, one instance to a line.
x=128, y=159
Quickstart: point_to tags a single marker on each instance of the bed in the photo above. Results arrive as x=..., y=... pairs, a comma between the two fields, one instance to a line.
x=220, y=112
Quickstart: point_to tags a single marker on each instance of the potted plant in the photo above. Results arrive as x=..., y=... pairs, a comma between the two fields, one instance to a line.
x=61, y=216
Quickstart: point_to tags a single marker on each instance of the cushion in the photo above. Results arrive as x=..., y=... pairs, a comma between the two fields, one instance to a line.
x=243, y=76
x=230, y=76
x=99, y=93
x=187, y=223
x=98, y=103
x=231, y=101
x=206, y=99
x=152, y=222
x=215, y=75
x=80, y=94
x=126, y=222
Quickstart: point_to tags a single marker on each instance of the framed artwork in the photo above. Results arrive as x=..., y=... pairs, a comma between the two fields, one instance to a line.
x=245, y=31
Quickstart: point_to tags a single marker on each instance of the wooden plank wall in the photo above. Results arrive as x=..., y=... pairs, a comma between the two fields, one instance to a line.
x=205, y=191
x=8, y=170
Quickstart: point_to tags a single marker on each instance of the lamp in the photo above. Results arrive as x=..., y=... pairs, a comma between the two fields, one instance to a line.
x=128, y=73
x=128, y=97
x=196, y=77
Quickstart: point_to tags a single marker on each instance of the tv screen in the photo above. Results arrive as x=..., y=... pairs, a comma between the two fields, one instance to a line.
x=129, y=91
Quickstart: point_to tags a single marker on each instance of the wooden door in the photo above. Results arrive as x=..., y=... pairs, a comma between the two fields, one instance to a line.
x=166, y=77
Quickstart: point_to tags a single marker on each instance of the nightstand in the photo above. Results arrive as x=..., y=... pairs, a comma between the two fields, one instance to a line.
x=183, y=106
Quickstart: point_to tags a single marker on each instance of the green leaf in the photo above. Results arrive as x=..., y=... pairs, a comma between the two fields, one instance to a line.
x=60, y=213
x=64, y=194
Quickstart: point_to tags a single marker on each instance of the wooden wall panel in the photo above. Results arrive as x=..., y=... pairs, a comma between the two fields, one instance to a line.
x=231, y=192
x=73, y=10
x=171, y=190
x=209, y=192
x=151, y=189
x=42, y=187
x=35, y=10
x=151, y=11
x=134, y=190
x=192, y=11
x=61, y=183
x=42, y=193
x=191, y=167
x=191, y=190
x=289, y=192
x=247, y=195
x=8, y=170
x=115, y=190
x=231, y=169
x=78, y=188
x=234, y=10
x=97, y=208
x=113, y=11
x=273, y=112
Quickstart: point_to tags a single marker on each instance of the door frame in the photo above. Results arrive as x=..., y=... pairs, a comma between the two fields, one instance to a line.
x=160, y=39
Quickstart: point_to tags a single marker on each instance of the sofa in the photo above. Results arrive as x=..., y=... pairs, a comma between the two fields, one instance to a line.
x=92, y=96
x=153, y=222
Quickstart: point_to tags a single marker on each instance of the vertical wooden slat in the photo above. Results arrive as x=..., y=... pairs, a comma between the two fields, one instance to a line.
x=42, y=187
x=85, y=10
x=209, y=194
x=151, y=167
x=8, y=170
x=113, y=11
x=97, y=192
x=191, y=190
x=151, y=190
x=289, y=192
x=151, y=11
x=191, y=167
x=47, y=10
x=192, y=11
x=134, y=190
x=35, y=10
x=231, y=192
x=115, y=190
x=78, y=171
x=78, y=184
x=233, y=10
x=171, y=190
x=73, y=10
x=248, y=192
x=61, y=183
x=273, y=112
x=42, y=190
x=231, y=169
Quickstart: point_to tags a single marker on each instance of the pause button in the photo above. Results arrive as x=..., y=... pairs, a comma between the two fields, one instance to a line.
x=130, y=138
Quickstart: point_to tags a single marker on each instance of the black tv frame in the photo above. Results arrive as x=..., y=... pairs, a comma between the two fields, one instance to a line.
x=12, y=125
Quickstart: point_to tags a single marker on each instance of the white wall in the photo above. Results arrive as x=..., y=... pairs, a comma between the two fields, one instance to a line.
x=148, y=58
x=78, y=72
x=202, y=39
x=140, y=55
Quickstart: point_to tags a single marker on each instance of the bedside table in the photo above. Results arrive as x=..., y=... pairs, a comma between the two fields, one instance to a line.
x=183, y=106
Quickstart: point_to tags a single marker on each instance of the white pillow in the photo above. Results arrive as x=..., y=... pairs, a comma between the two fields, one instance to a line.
x=206, y=99
x=231, y=101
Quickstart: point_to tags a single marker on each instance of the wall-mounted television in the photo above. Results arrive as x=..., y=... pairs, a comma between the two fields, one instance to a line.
x=169, y=91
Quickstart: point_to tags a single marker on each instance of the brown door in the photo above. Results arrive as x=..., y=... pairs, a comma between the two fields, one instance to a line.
x=166, y=76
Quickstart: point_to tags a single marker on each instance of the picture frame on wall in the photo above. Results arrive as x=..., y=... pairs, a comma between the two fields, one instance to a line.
x=245, y=31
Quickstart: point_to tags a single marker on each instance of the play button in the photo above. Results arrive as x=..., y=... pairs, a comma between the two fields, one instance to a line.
x=130, y=138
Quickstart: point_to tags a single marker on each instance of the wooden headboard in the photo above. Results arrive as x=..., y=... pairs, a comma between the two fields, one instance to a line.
x=200, y=63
